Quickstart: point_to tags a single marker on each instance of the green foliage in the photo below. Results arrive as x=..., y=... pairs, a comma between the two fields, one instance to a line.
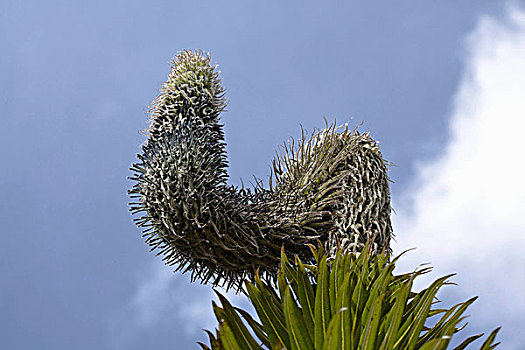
x=353, y=301
x=331, y=186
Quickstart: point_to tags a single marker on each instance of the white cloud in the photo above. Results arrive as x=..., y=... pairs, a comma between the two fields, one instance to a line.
x=467, y=212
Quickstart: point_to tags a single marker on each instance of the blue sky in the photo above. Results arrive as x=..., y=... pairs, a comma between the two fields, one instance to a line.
x=432, y=81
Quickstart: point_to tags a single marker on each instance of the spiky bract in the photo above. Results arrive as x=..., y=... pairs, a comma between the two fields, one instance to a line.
x=330, y=187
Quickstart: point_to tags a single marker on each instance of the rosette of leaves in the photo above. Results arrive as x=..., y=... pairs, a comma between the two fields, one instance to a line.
x=353, y=301
x=330, y=186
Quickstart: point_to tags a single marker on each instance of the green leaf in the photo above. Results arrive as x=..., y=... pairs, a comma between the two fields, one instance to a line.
x=450, y=317
x=336, y=277
x=322, y=304
x=368, y=337
x=316, y=252
x=343, y=303
x=214, y=342
x=372, y=312
x=467, y=341
x=203, y=346
x=281, y=281
x=271, y=317
x=297, y=329
x=396, y=315
x=357, y=304
x=333, y=339
x=286, y=267
x=257, y=328
x=434, y=344
x=487, y=344
x=227, y=338
x=442, y=341
x=298, y=279
x=243, y=336
x=305, y=295
x=416, y=320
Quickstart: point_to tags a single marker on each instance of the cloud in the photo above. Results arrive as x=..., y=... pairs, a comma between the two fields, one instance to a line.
x=166, y=300
x=467, y=207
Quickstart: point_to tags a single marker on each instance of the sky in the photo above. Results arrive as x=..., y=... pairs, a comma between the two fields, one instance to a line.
x=439, y=84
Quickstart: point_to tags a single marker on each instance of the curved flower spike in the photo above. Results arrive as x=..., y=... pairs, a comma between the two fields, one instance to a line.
x=331, y=187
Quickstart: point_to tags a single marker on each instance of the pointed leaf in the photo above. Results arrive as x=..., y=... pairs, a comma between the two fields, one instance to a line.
x=305, y=296
x=487, y=344
x=322, y=304
x=467, y=341
x=416, y=320
x=451, y=317
x=332, y=341
x=271, y=317
x=397, y=315
x=371, y=323
x=227, y=337
x=239, y=330
x=296, y=325
x=343, y=303
x=434, y=344
x=256, y=327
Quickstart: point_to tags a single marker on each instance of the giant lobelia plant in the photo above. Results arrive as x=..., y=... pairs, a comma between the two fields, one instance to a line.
x=329, y=188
